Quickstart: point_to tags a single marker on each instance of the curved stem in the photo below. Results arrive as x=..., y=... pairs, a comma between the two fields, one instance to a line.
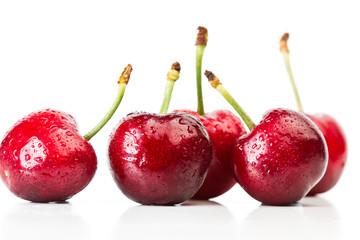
x=215, y=83
x=199, y=55
x=109, y=114
x=124, y=78
x=285, y=52
x=249, y=123
x=172, y=76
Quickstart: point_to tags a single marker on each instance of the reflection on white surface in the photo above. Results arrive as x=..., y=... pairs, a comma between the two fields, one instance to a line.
x=43, y=221
x=313, y=218
x=209, y=219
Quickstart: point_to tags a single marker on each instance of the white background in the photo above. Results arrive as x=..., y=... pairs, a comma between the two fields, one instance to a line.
x=68, y=55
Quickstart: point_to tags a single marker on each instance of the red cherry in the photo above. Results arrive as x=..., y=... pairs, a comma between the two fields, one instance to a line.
x=160, y=159
x=334, y=136
x=336, y=143
x=281, y=159
x=43, y=158
x=224, y=128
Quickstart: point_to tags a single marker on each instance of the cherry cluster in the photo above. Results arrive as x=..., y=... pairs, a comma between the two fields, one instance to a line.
x=168, y=158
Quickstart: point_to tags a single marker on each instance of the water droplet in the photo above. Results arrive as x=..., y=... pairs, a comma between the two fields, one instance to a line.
x=27, y=157
x=68, y=133
x=38, y=159
x=190, y=130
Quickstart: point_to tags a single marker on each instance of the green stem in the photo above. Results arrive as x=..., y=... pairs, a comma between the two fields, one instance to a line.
x=109, y=114
x=167, y=96
x=199, y=56
x=172, y=76
x=215, y=83
x=288, y=68
x=249, y=123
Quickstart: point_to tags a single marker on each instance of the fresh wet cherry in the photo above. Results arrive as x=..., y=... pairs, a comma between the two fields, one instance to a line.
x=223, y=128
x=333, y=134
x=43, y=158
x=282, y=157
x=160, y=159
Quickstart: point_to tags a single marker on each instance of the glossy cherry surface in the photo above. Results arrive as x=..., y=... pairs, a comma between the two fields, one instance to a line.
x=159, y=159
x=337, y=147
x=224, y=128
x=43, y=158
x=281, y=159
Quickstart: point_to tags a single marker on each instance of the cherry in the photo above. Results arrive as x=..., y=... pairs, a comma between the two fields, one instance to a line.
x=333, y=134
x=282, y=157
x=43, y=158
x=223, y=128
x=160, y=159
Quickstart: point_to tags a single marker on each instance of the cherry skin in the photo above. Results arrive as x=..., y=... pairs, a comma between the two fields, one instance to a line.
x=159, y=159
x=44, y=159
x=224, y=128
x=281, y=159
x=336, y=143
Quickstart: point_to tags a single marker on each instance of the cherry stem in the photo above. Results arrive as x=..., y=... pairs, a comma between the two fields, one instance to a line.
x=201, y=42
x=285, y=52
x=123, y=80
x=215, y=83
x=172, y=76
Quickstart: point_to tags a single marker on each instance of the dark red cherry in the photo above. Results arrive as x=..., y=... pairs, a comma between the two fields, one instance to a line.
x=337, y=148
x=159, y=159
x=334, y=136
x=224, y=128
x=281, y=159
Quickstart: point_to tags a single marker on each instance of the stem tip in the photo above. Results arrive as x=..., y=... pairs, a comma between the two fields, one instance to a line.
x=125, y=75
x=283, y=43
x=174, y=72
x=202, y=36
x=214, y=81
x=176, y=66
